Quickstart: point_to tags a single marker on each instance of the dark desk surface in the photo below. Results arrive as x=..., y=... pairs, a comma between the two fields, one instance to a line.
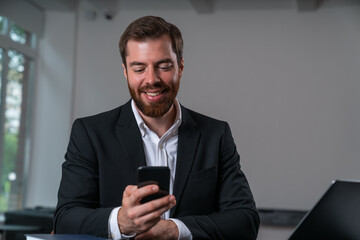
x=18, y=228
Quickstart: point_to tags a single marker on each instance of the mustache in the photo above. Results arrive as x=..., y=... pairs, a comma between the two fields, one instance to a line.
x=158, y=85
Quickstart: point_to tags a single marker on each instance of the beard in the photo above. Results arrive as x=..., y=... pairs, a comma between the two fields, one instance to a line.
x=155, y=109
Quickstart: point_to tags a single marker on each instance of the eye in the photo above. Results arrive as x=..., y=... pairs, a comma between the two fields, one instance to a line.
x=138, y=70
x=165, y=66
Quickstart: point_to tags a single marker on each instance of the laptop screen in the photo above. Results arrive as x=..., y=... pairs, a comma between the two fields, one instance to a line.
x=335, y=216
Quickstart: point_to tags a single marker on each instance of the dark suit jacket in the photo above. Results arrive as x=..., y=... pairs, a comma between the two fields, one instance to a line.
x=213, y=197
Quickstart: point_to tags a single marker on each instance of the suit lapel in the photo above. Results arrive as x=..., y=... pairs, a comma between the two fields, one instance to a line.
x=187, y=146
x=128, y=133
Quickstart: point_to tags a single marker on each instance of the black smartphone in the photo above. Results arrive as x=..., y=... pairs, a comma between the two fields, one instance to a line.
x=154, y=175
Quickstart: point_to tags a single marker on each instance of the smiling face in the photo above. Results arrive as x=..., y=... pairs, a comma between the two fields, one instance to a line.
x=153, y=75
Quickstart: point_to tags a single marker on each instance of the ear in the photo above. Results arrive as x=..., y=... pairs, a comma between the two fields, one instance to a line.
x=125, y=71
x=181, y=67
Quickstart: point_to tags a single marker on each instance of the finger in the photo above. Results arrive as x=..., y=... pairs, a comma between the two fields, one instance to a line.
x=144, y=224
x=129, y=189
x=154, y=209
x=157, y=204
x=142, y=192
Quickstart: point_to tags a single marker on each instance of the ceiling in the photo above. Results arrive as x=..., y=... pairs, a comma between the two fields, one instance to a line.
x=201, y=6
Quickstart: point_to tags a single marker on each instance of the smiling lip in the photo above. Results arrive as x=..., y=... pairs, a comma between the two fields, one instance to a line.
x=154, y=94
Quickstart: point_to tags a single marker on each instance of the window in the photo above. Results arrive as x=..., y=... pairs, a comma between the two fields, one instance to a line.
x=3, y=25
x=16, y=69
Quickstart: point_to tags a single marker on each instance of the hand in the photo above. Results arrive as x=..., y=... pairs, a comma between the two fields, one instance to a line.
x=164, y=229
x=136, y=218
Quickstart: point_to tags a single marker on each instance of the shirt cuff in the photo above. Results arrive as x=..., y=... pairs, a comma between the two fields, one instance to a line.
x=114, y=230
x=184, y=232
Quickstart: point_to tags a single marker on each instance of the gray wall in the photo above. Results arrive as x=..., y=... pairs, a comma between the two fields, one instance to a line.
x=286, y=81
x=53, y=104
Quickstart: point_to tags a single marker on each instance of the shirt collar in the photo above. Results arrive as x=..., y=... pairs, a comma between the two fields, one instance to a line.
x=141, y=124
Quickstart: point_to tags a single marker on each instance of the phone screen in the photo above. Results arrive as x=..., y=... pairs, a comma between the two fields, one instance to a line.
x=154, y=175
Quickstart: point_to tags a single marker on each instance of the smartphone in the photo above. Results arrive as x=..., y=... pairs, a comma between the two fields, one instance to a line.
x=154, y=175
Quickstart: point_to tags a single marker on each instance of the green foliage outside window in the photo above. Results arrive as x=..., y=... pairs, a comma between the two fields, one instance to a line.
x=17, y=34
x=12, y=120
x=16, y=66
x=10, y=151
x=12, y=107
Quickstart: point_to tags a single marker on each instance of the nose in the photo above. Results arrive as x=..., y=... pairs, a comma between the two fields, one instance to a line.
x=152, y=76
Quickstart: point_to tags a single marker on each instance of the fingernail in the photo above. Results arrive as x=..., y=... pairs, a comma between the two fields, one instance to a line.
x=154, y=188
x=171, y=198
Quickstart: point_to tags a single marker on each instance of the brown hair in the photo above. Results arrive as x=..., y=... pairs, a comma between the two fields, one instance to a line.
x=150, y=27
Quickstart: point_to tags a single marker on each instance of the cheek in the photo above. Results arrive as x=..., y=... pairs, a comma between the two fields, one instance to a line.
x=133, y=81
x=170, y=76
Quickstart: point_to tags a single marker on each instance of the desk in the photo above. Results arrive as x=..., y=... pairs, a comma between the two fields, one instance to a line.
x=30, y=220
x=11, y=231
x=278, y=224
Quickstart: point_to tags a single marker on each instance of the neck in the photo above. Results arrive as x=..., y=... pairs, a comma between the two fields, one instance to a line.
x=162, y=124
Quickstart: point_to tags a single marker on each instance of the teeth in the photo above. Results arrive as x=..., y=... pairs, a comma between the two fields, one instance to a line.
x=153, y=94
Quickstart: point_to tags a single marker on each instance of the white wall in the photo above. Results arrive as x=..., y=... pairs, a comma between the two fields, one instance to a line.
x=53, y=105
x=287, y=82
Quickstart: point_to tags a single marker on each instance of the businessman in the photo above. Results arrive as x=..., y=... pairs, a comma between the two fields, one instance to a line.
x=209, y=195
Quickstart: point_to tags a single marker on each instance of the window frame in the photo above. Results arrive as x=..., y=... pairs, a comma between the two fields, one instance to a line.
x=29, y=50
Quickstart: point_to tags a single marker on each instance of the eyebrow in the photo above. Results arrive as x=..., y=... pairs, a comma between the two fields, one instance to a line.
x=136, y=64
x=166, y=60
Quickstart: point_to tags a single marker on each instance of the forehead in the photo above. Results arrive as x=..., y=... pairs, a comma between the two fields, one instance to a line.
x=150, y=48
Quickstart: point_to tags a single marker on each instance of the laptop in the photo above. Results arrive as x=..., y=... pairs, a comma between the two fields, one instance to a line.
x=335, y=217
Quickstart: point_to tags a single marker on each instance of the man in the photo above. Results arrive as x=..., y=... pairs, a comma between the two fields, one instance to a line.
x=209, y=194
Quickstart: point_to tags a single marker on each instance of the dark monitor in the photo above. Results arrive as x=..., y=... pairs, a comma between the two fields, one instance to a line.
x=335, y=217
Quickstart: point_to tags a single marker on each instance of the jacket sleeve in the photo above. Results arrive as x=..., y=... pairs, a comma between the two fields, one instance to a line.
x=78, y=210
x=236, y=216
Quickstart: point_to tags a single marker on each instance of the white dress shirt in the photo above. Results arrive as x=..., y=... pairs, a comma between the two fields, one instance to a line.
x=158, y=152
